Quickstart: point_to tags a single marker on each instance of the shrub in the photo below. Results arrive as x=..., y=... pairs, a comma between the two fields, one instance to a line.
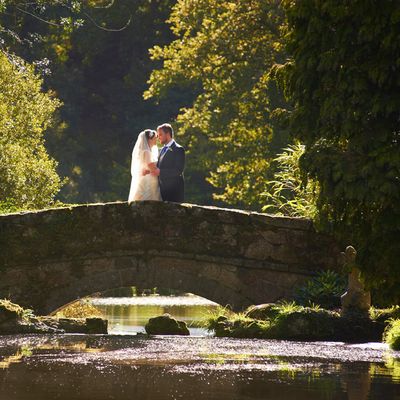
x=325, y=290
x=392, y=334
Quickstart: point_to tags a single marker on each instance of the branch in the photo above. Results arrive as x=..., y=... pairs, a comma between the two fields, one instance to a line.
x=95, y=23
x=102, y=27
x=37, y=17
x=109, y=5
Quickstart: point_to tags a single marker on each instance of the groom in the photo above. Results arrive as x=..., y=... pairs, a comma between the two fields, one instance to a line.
x=170, y=166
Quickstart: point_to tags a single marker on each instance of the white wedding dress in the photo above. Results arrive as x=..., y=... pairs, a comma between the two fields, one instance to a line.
x=143, y=187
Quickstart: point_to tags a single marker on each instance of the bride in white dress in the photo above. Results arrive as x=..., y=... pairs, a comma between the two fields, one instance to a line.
x=144, y=186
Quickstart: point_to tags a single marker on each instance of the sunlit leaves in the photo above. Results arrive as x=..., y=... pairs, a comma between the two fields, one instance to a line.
x=28, y=177
x=290, y=193
x=224, y=51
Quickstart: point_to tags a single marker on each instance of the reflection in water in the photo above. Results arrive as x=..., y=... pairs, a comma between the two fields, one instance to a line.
x=357, y=387
x=127, y=367
x=105, y=367
x=7, y=360
x=128, y=315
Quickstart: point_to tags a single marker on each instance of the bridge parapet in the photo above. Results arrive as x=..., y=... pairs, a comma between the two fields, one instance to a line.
x=51, y=257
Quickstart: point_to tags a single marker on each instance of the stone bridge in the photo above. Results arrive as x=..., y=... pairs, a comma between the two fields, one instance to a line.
x=50, y=258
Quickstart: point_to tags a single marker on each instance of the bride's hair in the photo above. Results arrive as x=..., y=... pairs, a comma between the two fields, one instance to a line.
x=149, y=133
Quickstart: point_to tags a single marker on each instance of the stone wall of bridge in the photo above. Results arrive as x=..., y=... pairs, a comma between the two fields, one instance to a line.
x=52, y=257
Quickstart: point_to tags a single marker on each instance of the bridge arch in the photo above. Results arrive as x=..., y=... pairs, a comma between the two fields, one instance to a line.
x=52, y=257
x=217, y=282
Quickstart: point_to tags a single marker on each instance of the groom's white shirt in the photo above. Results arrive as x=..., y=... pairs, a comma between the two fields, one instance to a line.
x=169, y=144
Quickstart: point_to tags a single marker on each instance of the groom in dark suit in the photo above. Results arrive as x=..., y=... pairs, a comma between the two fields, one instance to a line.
x=170, y=166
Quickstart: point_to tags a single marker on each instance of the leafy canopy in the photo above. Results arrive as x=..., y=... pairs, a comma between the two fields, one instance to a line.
x=28, y=177
x=344, y=83
x=223, y=52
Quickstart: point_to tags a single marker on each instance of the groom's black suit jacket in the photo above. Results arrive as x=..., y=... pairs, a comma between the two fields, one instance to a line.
x=171, y=165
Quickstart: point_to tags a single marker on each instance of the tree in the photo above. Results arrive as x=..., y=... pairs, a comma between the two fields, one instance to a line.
x=98, y=64
x=343, y=82
x=28, y=177
x=100, y=74
x=223, y=53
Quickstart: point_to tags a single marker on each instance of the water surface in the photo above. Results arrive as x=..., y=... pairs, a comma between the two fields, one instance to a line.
x=129, y=315
x=128, y=365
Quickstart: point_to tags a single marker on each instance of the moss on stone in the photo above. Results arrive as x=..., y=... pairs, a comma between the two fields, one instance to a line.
x=304, y=324
x=290, y=321
x=10, y=311
x=14, y=320
x=262, y=311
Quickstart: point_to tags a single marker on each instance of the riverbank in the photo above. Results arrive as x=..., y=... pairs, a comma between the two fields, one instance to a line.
x=16, y=320
x=290, y=321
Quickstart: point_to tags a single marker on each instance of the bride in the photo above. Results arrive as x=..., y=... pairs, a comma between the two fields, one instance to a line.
x=144, y=186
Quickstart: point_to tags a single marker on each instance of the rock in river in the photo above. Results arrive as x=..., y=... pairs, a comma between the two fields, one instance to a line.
x=166, y=325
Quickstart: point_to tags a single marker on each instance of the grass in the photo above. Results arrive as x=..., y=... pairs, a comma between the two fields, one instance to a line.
x=286, y=320
x=384, y=314
x=291, y=321
x=392, y=334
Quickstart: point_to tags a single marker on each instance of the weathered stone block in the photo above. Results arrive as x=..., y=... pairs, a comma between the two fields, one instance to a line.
x=96, y=325
x=72, y=325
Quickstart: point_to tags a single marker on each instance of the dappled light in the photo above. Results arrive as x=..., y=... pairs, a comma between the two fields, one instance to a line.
x=199, y=199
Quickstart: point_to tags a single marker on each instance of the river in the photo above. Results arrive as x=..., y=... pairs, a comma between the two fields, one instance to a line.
x=124, y=365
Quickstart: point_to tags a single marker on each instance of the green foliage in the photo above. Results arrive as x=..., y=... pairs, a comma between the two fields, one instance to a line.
x=392, y=334
x=290, y=321
x=100, y=75
x=384, y=314
x=63, y=14
x=289, y=193
x=287, y=307
x=343, y=83
x=28, y=177
x=214, y=314
x=325, y=290
x=223, y=52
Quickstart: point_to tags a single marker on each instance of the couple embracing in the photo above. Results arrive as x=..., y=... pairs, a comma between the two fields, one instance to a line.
x=157, y=175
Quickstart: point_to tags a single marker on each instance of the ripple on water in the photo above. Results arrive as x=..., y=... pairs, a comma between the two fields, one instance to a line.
x=105, y=367
x=203, y=350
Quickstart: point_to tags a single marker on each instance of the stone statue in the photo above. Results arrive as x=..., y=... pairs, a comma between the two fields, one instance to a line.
x=356, y=301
